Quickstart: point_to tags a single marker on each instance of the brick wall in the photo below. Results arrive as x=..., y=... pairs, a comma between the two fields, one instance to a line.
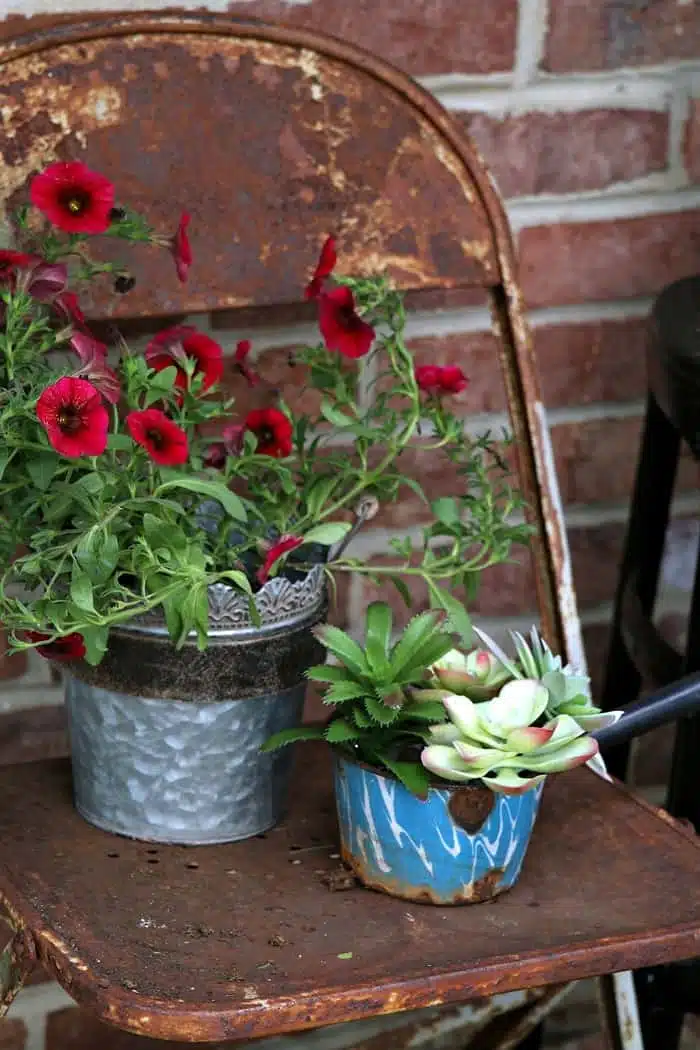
x=588, y=113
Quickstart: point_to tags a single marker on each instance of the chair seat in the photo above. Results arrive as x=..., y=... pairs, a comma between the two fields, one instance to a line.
x=212, y=943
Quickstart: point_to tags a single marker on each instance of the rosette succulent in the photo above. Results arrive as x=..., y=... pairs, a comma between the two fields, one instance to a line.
x=499, y=742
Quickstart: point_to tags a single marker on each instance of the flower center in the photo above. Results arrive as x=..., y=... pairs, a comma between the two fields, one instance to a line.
x=69, y=419
x=156, y=438
x=266, y=436
x=75, y=200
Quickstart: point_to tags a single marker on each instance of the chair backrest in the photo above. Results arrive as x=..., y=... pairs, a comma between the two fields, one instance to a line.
x=272, y=138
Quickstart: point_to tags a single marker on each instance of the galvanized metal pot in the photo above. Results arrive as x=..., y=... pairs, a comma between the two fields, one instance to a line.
x=166, y=744
x=463, y=844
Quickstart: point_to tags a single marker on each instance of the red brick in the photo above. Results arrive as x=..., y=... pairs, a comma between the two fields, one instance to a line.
x=277, y=374
x=621, y=259
x=605, y=34
x=596, y=460
x=11, y=665
x=13, y=1034
x=536, y=153
x=692, y=141
x=578, y=364
x=71, y=1029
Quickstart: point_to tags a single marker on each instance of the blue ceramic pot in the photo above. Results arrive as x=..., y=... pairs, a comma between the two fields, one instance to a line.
x=461, y=845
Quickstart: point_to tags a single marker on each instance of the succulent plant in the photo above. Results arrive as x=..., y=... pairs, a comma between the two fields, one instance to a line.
x=377, y=716
x=569, y=693
x=499, y=743
x=478, y=674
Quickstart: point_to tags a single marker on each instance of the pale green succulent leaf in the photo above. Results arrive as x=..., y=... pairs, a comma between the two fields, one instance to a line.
x=446, y=763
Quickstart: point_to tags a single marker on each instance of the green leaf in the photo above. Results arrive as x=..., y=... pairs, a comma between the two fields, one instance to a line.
x=378, y=639
x=120, y=443
x=95, y=637
x=41, y=469
x=328, y=535
x=341, y=692
x=380, y=713
x=424, y=655
x=446, y=510
x=419, y=630
x=458, y=617
x=163, y=380
x=239, y=579
x=344, y=648
x=426, y=711
x=402, y=589
x=211, y=489
x=340, y=730
x=173, y=620
x=81, y=590
x=5, y=457
x=292, y=736
x=413, y=776
x=361, y=718
x=327, y=673
x=334, y=415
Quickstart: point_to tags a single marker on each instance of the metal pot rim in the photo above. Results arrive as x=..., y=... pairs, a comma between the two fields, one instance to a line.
x=281, y=604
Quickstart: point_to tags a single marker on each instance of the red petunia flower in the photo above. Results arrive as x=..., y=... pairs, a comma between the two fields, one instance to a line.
x=73, y=198
x=243, y=348
x=441, y=379
x=217, y=454
x=341, y=326
x=273, y=431
x=68, y=306
x=283, y=546
x=11, y=261
x=76, y=421
x=324, y=268
x=174, y=345
x=163, y=439
x=70, y=647
x=45, y=281
x=94, y=367
x=181, y=248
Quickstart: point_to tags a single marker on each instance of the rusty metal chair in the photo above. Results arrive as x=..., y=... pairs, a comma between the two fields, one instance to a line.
x=638, y=655
x=281, y=136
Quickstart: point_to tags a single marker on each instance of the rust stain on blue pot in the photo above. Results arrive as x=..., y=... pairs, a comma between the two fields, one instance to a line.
x=458, y=846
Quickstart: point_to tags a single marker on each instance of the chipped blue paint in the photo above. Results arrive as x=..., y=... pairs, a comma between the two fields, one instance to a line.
x=411, y=848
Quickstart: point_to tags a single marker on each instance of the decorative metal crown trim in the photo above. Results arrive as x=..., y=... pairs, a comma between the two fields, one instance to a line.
x=280, y=603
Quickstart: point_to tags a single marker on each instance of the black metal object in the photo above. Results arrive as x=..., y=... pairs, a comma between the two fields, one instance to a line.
x=637, y=654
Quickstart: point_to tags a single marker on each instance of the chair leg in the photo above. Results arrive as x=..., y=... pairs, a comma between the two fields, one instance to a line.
x=644, y=546
x=534, y=1041
x=683, y=799
x=662, y=1023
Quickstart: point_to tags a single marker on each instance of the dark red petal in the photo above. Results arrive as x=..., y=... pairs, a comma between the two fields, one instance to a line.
x=50, y=190
x=182, y=250
x=165, y=442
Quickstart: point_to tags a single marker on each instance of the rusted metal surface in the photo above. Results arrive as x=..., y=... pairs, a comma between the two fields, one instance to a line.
x=17, y=961
x=238, y=941
x=268, y=137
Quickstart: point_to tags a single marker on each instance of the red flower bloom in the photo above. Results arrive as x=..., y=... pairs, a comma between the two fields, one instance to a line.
x=163, y=439
x=11, y=261
x=243, y=348
x=76, y=421
x=67, y=305
x=441, y=379
x=182, y=251
x=341, y=327
x=217, y=454
x=273, y=431
x=73, y=198
x=70, y=647
x=324, y=268
x=45, y=281
x=174, y=345
x=283, y=546
x=93, y=357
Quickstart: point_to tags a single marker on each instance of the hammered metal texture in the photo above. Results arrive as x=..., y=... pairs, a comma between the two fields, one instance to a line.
x=170, y=771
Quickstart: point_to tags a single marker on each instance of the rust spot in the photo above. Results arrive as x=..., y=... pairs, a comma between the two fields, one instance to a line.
x=470, y=806
x=487, y=887
x=339, y=879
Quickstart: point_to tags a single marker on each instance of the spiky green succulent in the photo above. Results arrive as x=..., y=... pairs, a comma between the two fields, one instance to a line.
x=378, y=716
x=499, y=742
